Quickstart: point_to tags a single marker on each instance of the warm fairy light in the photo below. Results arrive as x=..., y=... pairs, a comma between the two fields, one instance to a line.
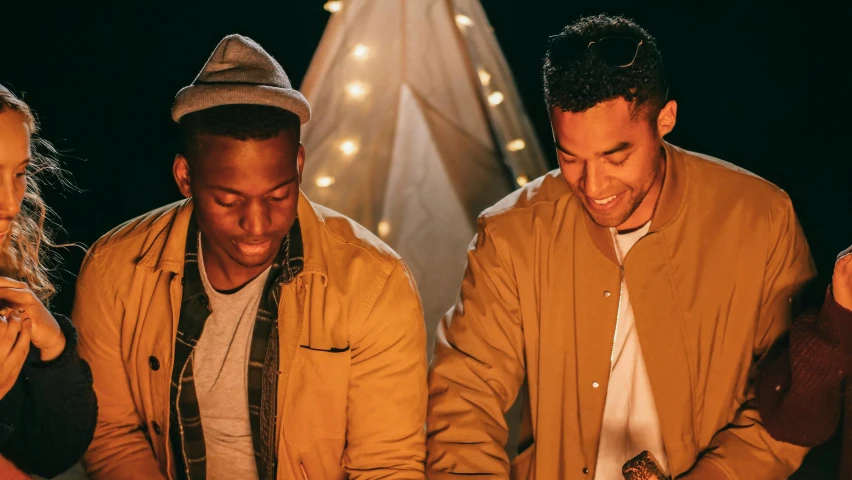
x=516, y=145
x=325, y=181
x=356, y=90
x=333, y=6
x=360, y=51
x=463, y=21
x=484, y=77
x=348, y=147
x=495, y=98
x=522, y=180
x=383, y=228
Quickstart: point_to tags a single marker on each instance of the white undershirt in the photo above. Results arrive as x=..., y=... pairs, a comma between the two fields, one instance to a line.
x=220, y=368
x=630, y=422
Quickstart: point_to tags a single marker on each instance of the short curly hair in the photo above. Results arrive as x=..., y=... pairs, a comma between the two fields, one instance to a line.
x=242, y=122
x=578, y=85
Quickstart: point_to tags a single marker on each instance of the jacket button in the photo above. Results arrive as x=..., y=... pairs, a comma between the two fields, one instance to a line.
x=154, y=363
x=585, y=471
x=606, y=293
x=595, y=384
x=156, y=427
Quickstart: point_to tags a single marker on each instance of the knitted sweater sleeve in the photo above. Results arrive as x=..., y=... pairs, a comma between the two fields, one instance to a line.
x=800, y=387
x=49, y=420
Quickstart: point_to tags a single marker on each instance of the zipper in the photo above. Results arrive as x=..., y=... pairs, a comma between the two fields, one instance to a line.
x=617, y=320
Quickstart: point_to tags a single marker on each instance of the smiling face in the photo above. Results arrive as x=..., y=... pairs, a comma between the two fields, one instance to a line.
x=613, y=159
x=15, y=153
x=245, y=195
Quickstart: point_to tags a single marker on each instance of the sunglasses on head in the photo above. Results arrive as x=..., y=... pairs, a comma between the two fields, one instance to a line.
x=614, y=51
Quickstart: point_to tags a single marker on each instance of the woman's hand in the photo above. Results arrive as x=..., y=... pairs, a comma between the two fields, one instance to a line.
x=841, y=281
x=21, y=301
x=14, y=347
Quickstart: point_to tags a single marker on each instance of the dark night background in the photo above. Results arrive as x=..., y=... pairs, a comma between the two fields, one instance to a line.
x=763, y=85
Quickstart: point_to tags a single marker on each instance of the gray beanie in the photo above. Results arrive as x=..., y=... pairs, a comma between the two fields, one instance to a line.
x=240, y=72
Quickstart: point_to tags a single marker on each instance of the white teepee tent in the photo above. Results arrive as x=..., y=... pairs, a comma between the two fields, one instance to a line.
x=417, y=127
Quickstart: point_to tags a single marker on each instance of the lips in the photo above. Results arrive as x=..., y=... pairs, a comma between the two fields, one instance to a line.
x=253, y=248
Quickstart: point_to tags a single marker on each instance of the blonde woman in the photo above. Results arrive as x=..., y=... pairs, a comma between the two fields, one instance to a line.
x=47, y=406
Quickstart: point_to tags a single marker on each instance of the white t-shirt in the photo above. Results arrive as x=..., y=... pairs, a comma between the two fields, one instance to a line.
x=220, y=369
x=630, y=422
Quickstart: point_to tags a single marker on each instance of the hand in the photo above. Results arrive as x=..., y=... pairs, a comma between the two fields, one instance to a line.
x=21, y=301
x=14, y=347
x=841, y=281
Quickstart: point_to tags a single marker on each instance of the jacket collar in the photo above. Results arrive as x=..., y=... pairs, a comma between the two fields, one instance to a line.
x=167, y=251
x=669, y=205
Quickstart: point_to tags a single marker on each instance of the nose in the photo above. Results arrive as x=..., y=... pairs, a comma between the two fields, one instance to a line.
x=10, y=201
x=595, y=180
x=256, y=218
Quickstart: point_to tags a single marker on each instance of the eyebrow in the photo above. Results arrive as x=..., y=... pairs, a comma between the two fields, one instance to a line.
x=564, y=150
x=237, y=192
x=25, y=161
x=621, y=146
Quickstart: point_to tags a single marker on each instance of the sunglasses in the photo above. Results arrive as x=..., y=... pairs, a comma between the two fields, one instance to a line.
x=614, y=51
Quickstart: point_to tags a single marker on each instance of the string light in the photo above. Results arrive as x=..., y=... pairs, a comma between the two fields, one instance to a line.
x=325, y=181
x=360, y=51
x=333, y=6
x=348, y=147
x=495, y=98
x=484, y=77
x=516, y=145
x=356, y=90
x=383, y=228
x=463, y=21
x=522, y=180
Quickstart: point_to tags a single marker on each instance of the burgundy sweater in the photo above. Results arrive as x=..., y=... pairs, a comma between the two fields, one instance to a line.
x=801, y=391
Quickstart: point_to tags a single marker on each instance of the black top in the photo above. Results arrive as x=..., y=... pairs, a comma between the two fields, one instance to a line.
x=48, y=418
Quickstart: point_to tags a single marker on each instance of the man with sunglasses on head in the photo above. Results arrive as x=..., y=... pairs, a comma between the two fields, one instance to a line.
x=628, y=294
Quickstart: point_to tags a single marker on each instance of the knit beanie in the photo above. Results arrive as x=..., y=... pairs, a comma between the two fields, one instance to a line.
x=240, y=72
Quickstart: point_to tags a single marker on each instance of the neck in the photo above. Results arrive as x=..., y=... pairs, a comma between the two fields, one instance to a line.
x=646, y=209
x=223, y=273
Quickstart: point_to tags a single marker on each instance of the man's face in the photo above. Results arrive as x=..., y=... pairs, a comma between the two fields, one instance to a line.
x=613, y=159
x=245, y=195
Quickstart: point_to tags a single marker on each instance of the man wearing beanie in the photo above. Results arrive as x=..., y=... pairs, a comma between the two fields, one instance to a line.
x=246, y=332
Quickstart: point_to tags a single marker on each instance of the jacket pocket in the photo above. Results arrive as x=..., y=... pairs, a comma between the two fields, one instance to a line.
x=315, y=405
x=523, y=466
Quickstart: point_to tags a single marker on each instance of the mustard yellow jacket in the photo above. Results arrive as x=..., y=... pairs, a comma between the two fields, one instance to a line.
x=357, y=414
x=711, y=287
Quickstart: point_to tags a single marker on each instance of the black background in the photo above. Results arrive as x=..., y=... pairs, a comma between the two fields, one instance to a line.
x=763, y=86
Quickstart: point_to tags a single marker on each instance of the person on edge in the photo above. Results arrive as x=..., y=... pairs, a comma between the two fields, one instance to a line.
x=48, y=408
x=246, y=332
x=628, y=293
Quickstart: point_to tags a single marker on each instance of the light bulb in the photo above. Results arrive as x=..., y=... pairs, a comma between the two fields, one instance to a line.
x=325, y=181
x=463, y=21
x=516, y=145
x=360, y=51
x=495, y=98
x=383, y=228
x=348, y=147
x=522, y=180
x=333, y=6
x=484, y=77
x=356, y=90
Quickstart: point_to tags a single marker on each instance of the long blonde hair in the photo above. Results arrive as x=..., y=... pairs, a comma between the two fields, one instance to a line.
x=26, y=255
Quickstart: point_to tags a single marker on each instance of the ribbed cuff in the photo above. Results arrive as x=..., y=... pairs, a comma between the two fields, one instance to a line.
x=835, y=322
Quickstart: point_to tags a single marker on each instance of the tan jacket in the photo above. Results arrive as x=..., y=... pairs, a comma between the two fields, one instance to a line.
x=357, y=414
x=711, y=288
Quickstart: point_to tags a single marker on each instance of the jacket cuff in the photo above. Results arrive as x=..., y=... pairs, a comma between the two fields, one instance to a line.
x=835, y=322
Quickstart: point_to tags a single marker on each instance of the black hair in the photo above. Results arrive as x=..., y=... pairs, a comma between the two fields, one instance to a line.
x=578, y=85
x=242, y=122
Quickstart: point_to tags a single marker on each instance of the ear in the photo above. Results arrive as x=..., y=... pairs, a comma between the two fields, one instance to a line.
x=181, y=172
x=300, y=160
x=667, y=118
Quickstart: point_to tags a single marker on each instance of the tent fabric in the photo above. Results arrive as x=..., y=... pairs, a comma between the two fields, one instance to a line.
x=408, y=137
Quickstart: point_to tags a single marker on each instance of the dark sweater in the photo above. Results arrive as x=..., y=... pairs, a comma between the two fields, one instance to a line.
x=800, y=391
x=48, y=418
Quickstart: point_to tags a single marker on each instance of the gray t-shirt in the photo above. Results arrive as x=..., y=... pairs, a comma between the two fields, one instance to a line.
x=220, y=367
